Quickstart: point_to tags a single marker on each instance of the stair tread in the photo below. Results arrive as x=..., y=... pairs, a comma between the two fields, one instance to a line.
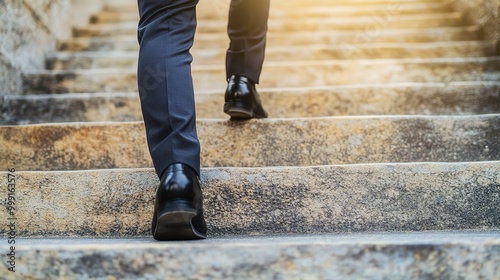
x=243, y=201
x=317, y=10
x=354, y=256
x=274, y=120
x=290, y=63
x=272, y=34
x=381, y=238
x=325, y=140
x=120, y=6
x=455, y=98
x=336, y=19
x=133, y=54
x=330, y=24
x=277, y=89
x=279, y=74
x=220, y=40
x=128, y=59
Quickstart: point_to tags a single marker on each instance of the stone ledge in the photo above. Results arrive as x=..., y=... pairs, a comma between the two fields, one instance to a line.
x=429, y=35
x=280, y=74
x=459, y=98
x=255, y=201
x=313, y=52
x=429, y=255
x=273, y=142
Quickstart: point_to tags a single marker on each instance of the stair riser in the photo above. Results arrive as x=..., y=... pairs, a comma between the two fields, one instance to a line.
x=220, y=6
x=215, y=12
x=328, y=38
x=473, y=49
x=296, y=142
x=370, y=25
x=369, y=260
x=435, y=99
x=294, y=74
x=267, y=201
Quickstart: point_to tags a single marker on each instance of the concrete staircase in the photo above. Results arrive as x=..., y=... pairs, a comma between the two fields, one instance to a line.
x=380, y=159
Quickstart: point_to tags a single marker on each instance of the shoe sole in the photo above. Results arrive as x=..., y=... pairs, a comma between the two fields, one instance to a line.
x=176, y=224
x=240, y=111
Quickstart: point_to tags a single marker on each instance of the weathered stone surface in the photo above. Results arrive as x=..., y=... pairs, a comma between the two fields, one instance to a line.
x=349, y=38
x=255, y=201
x=462, y=98
x=379, y=99
x=273, y=142
x=306, y=24
x=209, y=10
x=280, y=74
x=433, y=255
x=485, y=13
x=114, y=59
x=273, y=200
x=20, y=31
x=10, y=80
x=71, y=108
x=30, y=28
x=221, y=6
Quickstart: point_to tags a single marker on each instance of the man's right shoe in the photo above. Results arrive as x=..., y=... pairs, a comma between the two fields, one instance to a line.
x=178, y=211
x=242, y=100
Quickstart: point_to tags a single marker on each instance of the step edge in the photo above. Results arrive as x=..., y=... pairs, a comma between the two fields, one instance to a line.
x=206, y=170
x=263, y=90
x=270, y=64
x=463, y=237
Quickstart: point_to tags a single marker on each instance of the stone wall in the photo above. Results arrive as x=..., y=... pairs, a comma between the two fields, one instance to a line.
x=485, y=13
x=30, y=28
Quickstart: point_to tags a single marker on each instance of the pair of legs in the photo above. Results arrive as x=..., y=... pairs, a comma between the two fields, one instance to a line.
x=166, y=32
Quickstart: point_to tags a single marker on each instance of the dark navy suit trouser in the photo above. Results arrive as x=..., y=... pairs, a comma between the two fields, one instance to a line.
x=166, y=33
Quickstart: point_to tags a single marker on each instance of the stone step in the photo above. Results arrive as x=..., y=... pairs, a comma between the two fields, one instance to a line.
x=300, y=3
x=273, y=142
x=256, y=201
x=386, y=35
x=279, y=74
x=114, y=59
x=443, y=255
x=377, y=99
x=306, y=24
x=220, y=7
x=219, y=11
x=458, y=191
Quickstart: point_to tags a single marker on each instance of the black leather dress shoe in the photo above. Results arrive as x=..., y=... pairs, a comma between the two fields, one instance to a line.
x=242, y=100
x=178, y=211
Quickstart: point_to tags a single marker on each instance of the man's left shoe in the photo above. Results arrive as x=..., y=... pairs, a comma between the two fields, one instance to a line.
x=242, y=100
x=178, y=211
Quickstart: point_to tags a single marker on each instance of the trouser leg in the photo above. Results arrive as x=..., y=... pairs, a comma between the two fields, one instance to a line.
x=247, y=28
x=166, y=32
